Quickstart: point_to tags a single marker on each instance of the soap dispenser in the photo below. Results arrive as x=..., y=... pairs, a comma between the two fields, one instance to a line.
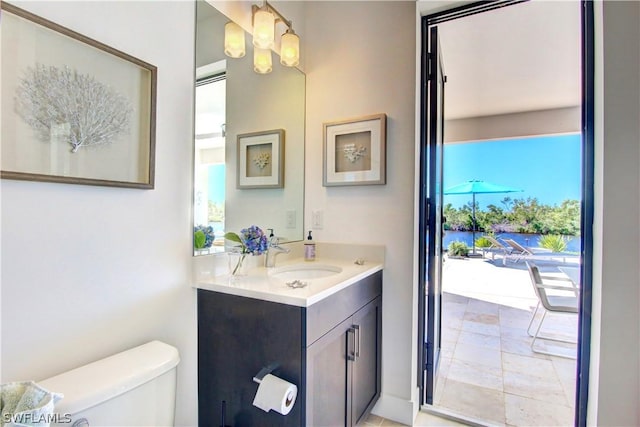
x=309, y=249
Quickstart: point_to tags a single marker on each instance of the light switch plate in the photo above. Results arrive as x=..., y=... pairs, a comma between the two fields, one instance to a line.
x=291, y=219
x=317, y=220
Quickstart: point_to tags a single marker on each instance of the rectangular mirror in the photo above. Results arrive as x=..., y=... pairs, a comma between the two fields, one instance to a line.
x=265, y=114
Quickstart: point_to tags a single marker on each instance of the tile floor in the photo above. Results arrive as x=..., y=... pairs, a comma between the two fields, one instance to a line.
x=487, y=370
x=422, y=420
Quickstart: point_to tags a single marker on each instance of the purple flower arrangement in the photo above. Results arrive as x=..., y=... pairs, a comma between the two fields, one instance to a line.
x=252, y=240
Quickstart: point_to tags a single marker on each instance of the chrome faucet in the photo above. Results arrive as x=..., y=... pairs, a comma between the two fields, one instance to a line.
x=273, y=250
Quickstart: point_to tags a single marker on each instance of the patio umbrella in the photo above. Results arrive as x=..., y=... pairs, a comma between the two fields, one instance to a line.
x=478, y=187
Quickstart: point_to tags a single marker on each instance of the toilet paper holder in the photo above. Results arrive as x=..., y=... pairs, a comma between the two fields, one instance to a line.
x=265, y=371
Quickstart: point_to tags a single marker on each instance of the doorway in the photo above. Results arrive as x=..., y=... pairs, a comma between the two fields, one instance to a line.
x=436, y=128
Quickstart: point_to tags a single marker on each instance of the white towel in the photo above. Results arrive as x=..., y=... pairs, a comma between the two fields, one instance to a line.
x=26, y=404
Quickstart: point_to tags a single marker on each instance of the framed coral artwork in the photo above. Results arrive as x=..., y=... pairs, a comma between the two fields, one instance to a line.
x=74, y=110
x=354, y=151
x=260, y=158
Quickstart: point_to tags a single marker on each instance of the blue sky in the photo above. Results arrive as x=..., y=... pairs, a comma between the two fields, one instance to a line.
x=216, y=182
x=544, y=167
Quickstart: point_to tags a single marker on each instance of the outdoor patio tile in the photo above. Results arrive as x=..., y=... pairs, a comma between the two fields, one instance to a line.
x=482, y=340
x=473, y=401
x=567, y=349
x=472, y=373
x=455, y=309
x=565, y=368
x=479, y=355
x=514, y=317
x=487, y=319
x=447, y=349
x=514, y=333
x=439, y=390
x=452, y=322
x=521, y=411
x=444, y=366
x=450, y=298
x=506, y=293
x=450, y=335
x=477, y=306
x=546, y=389
x=424, y=419
x=519, y=302
x=569, y=387
x=521, y=347
x=531, y=366
x=480, y=328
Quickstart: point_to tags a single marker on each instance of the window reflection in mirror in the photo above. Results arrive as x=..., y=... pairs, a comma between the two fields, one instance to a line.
x=249, y=103
x=209, y=164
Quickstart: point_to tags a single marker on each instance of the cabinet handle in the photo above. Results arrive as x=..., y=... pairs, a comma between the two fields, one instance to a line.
x=357, y=337
x=351, y=338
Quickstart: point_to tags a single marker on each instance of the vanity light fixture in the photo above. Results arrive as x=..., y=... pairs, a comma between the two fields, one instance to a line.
x=265, y=19
x=234, y=40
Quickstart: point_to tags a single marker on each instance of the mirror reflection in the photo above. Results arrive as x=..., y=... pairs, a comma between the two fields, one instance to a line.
x=240, y=112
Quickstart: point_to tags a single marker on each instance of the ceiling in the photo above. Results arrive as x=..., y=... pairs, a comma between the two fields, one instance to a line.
x=524, y=57
x=518, y=58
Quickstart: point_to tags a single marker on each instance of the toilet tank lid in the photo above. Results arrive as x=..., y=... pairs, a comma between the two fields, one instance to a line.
x=97, y=382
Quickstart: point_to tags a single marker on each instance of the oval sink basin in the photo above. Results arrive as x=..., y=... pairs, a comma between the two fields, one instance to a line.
x=304, y=271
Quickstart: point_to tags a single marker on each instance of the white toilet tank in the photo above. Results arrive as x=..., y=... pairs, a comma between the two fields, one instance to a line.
x=134, y=388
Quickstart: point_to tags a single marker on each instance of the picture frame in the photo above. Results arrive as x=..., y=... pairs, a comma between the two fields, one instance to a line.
x=260, y=159
x=75, y=110
x=354, y=151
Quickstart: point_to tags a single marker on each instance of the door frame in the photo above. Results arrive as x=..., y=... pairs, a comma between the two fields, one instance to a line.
x=587, y=204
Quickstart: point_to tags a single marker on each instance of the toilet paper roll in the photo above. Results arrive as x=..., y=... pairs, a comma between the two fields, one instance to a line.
x=275, y=393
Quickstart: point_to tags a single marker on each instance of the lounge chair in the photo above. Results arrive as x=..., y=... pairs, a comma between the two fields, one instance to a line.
x=551, y=303
x=519, y=252
x=496, y=246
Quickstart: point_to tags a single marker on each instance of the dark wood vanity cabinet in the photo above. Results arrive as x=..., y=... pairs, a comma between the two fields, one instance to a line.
x=343, y=370
x=331, y=350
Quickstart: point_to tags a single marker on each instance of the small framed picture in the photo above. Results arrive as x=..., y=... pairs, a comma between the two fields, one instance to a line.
x=261, y=159
x=355, y=151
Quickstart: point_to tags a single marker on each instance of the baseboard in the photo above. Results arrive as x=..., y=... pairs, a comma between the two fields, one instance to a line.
x=397, y=409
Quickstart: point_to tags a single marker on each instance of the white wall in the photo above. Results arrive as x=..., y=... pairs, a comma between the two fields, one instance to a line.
x=361, y=61
x=89, y=271
x=614, y=390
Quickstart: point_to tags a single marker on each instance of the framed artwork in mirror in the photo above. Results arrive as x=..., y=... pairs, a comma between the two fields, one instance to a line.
x=260, y=157
x=354, y=151
x=74, y=109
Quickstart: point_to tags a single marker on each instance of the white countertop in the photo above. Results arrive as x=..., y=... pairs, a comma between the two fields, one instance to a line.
x=260, y=285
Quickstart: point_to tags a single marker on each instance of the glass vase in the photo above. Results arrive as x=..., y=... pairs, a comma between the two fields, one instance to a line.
x=237, y=264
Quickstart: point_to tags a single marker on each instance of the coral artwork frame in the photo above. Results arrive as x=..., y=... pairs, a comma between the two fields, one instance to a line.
x=260, y=159
x=354, y=151
x=74, y=110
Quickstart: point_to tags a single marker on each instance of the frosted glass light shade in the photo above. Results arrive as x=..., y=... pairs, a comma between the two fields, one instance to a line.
x=290, y=49
x=262, y=60
x=234, y=40
x=263, y=29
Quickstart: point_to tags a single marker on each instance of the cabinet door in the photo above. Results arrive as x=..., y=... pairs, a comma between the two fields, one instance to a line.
x=328, y=370
x=366, y=367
